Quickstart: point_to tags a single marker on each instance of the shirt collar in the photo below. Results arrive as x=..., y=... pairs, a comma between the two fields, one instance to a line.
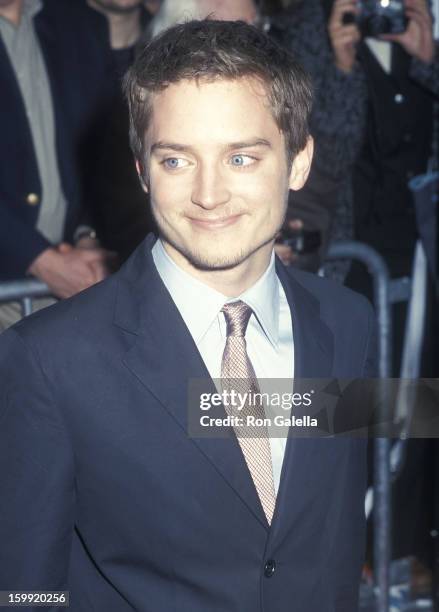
x=263, y=298
x=199, y=304
x=32, y=7
x=29, y=10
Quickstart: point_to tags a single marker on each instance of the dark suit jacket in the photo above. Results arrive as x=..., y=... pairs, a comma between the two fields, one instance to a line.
x=74, y=44
x=104, y=493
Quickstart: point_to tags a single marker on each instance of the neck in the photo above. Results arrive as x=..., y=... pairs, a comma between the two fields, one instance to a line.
x=125, y=28
x=233, y=281
x=12, y=11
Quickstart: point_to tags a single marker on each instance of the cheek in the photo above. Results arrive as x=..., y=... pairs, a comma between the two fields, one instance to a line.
x=168, y=195
x=269, y=196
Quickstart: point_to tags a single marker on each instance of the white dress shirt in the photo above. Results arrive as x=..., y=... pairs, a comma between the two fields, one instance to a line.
x=269, y=335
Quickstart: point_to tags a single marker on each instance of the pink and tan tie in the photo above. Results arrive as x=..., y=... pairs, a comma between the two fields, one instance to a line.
x=237, y=373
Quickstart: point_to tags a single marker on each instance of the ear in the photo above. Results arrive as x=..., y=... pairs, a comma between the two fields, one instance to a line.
x=139, y=169
x=301, y=166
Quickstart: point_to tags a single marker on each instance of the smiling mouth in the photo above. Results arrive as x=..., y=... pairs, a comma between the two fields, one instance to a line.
x=215, y=223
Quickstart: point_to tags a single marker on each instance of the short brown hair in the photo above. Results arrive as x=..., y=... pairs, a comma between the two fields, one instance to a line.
x=210, y=50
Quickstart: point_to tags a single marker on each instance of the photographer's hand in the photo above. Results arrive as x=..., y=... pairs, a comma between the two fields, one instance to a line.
x=417, y=40
x=344, y=37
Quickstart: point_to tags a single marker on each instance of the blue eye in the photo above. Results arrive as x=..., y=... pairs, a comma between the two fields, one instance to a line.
x=241, y=160
x=175, y=163
x=172, y=163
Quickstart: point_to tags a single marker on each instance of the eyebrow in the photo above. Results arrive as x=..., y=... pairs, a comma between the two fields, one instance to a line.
x=247, y=144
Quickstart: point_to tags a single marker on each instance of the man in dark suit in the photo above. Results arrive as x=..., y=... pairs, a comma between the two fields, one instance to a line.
x=55, y=70
x=104, y=490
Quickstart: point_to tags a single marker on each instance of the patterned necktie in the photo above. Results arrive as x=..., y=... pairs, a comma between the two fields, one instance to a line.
x=237, y=373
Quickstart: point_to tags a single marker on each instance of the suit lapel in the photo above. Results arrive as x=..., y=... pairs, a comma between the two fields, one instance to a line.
x=313, y=358
x=54, y=60
x=164, y=358
x=10, y=88
x=313, y=340
x=12, y=105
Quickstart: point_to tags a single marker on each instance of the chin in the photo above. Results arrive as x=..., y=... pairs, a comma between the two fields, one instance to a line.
x=214, y=252
x=222, y=258
x=214, y=260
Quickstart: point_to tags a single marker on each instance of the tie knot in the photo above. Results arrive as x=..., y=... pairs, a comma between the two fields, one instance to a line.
x=237, y=315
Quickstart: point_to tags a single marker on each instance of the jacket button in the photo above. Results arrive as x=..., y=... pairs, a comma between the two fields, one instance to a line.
x=32, y=199
x=269, y=568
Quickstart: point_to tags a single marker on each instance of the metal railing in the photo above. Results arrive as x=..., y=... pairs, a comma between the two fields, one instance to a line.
x=379, y=271
x=23, y=291
x=387, y=460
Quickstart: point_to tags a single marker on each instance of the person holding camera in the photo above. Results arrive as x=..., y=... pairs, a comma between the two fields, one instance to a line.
x=399, y=58
x=402, y=76
x=417, y=39
x=401, y=67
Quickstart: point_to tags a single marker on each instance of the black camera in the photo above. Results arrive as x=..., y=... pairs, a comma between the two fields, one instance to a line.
x=302, y=242
x=378, y=17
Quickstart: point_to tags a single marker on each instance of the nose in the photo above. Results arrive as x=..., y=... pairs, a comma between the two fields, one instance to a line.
x=209, y=188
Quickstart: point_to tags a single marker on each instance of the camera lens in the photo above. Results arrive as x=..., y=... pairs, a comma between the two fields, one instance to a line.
x=378, y=24
x=348, y=18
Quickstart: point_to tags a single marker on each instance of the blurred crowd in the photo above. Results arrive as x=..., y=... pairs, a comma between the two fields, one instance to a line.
x=72, y=208
x=71, y=182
